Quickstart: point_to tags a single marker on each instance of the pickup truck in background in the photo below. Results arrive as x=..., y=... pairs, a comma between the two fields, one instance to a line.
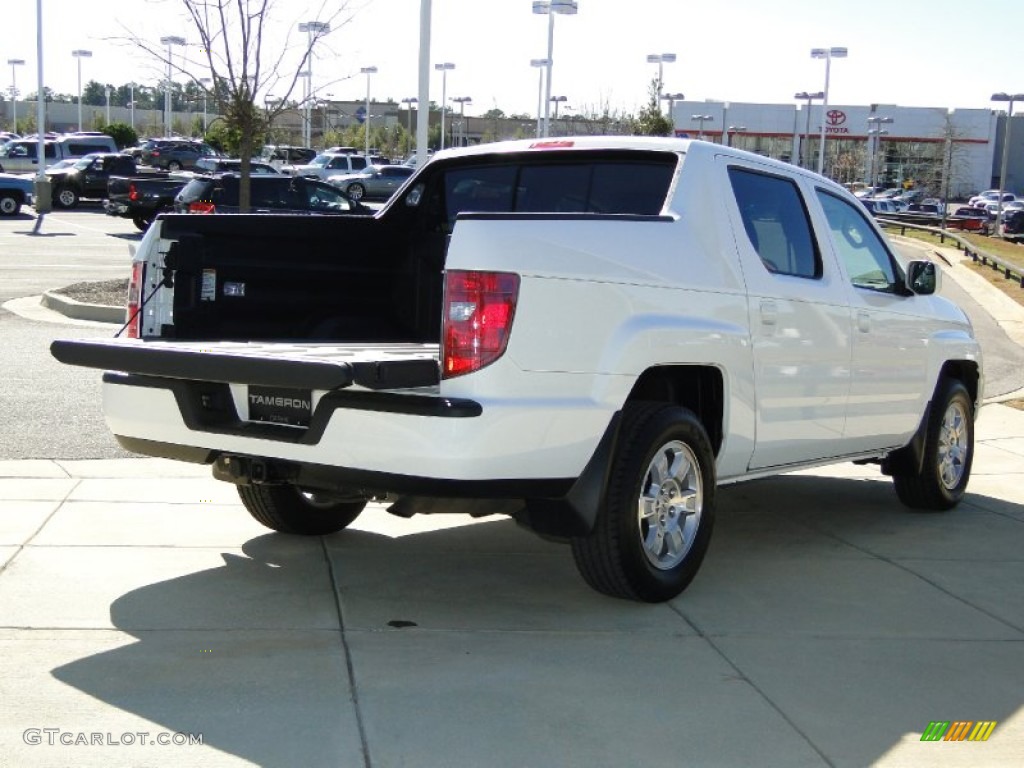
x=143, y=198
x=88, y=177
x=588, y=334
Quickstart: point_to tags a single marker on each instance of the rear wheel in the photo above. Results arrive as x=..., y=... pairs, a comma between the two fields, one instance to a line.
x=356, y=191
x=288, y=509
x=655, y=521
x=174, y=165
x=9, y=204
x=142, y=223
x=66, y=197
x=948, y=453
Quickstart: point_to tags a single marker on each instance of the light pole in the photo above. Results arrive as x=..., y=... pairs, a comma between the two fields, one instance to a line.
x=874, y=129
x=672, y=98
x=368, y=71
x=108, y=104
x=314, y=30
x=443, y=69
x=731, y=130
x=551, y=7
x=806, y=141
x=409, y=101
x=79, y=54
x=541, y=65
x=131, y=102
x=14, y=93
x=169, y=40
x=701, y=119
x=556, y=100
x=1009, y=98
x=204, y=83
x=661, y=59
x=827, y=54
x=462, y=101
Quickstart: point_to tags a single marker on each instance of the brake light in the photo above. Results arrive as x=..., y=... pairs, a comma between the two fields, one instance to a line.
x=202, y=206
x=133, y=192
x=134, y=299
x=478, y=312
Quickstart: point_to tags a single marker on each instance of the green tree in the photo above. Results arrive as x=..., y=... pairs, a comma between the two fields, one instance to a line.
x=122, y=134
x=650, y=121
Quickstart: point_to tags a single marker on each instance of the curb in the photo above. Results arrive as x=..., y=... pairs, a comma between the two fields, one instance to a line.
x=78, y=310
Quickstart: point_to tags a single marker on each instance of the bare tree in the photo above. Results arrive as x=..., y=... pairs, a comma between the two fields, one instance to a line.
x=231, y=41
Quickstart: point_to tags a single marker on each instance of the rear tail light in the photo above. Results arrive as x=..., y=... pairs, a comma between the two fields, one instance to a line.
x=133, y=192
x=202, y=206
x=478, y=312
x=134, y=299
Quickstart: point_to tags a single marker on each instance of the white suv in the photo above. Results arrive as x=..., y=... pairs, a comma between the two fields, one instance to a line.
x=21, y=155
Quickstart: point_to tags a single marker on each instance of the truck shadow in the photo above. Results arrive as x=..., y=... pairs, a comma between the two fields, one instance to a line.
x=253, y=655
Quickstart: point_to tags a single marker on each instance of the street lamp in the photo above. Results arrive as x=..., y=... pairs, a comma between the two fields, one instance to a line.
x=108, y=104
x=204, y=82
x=1009, y=98
x=443, y=69
x=462, y=101
x=827, y=54
x=14, y=93
x=556, y=100
x=314, y=30
x=701, y=119
x=672, y=98
x=551, y=7
x=131, y=101
x=409, y=101
x=661, y=59
x=806, y=141
x=79, y=54
x=541, y=65
x=368, y=71
x=169, y=40
x=874, y=130
x=731, y=130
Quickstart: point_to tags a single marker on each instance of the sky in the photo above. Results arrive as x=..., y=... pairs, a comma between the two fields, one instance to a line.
x=929, y=53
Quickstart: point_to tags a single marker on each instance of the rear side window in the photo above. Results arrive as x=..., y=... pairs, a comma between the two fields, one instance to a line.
x=776, y=222
x=76, y=149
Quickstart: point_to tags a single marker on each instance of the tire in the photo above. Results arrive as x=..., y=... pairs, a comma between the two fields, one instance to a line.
x=628, y=553
x=948, y=453
x=356, y=191
x=9, y=204
x=65, y=197
x=141, y=223
x=174, y=165
x=288, y=509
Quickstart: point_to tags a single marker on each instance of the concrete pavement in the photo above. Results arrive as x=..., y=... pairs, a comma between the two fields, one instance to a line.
x=829, y=626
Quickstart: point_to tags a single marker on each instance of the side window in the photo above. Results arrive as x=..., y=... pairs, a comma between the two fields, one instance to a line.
x=487, y=190
x=776, y=223
x=868, y=262
x=358, y=163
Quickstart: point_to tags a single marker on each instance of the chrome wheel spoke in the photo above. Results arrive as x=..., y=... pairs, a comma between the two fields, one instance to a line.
x=669, y=505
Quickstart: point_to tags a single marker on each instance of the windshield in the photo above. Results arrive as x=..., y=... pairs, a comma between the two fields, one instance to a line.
x=81, y=165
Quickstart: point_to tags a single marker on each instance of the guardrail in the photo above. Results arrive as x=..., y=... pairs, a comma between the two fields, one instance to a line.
x=1010, y=271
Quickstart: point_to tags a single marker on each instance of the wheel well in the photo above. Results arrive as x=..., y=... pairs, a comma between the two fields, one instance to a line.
x=16, y=194
x=696, y=387
x=965, y=372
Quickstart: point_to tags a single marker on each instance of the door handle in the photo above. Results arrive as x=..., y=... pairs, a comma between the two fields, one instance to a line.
x=863, y=322
x=769, y=312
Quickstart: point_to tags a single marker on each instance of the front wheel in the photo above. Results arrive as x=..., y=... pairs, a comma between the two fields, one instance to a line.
x=655, y=521
x=356, y=191
x=67, y=197
x=9, y=205
x=288, y=509
x=941, y=482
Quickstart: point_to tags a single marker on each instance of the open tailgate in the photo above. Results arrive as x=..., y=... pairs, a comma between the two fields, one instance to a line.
x=317, y=366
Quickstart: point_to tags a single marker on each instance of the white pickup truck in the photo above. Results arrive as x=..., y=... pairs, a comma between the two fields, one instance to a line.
x=589, y=334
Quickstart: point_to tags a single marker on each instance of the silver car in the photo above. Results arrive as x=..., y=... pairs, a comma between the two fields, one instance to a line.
x=378, y=181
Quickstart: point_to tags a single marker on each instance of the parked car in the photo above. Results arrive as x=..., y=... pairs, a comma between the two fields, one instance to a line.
x=21, y=155
x=269, y=194
x=377, y=182
x=1013, y=224
x=88, y=177
x=282, y=154
x=142, y=198
x=15, y=191
x=326, y=164
x=227, y=165
x=992, y=196
x=878, y=206
x=175, y=154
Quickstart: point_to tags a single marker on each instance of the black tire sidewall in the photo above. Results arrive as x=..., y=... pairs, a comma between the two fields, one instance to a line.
x=628, y=472
x=13, y=202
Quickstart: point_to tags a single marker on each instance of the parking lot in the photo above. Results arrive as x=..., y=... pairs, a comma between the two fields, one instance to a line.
x=141, y=604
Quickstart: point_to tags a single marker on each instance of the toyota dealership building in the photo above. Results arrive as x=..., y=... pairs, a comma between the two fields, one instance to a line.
x=880, y=145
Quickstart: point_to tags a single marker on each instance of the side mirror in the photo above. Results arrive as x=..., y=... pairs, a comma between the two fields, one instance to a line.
x=922, y=277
